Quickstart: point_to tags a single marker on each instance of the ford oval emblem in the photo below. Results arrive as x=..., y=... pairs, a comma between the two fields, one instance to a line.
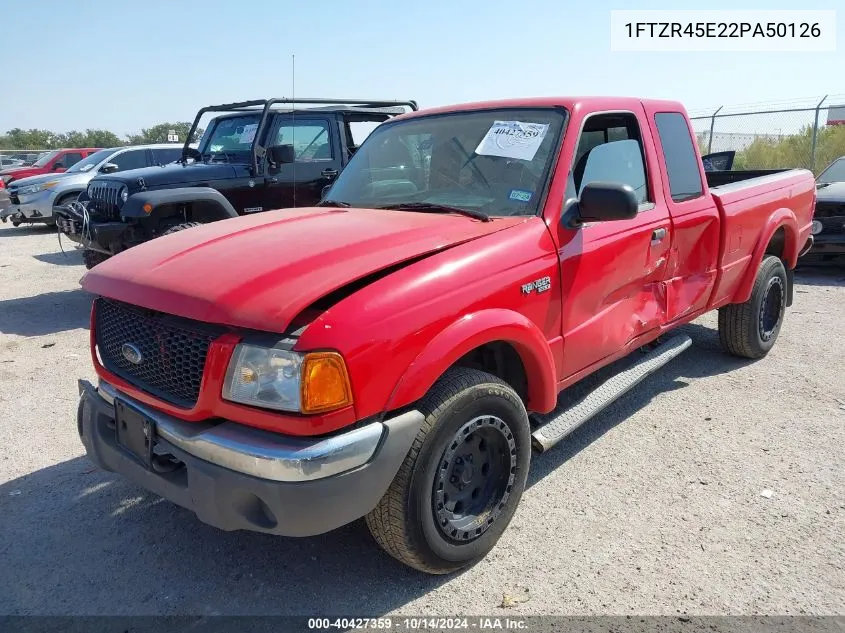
x=131, y=353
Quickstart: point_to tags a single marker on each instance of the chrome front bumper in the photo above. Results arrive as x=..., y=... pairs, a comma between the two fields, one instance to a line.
x=261, y=453
x=235, y=477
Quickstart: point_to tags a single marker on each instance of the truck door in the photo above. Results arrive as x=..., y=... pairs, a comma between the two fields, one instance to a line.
x=317, y=161
x=612, y=272
x=691, y=274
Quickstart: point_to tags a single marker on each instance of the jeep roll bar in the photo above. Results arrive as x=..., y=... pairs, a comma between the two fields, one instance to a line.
x=249, y=106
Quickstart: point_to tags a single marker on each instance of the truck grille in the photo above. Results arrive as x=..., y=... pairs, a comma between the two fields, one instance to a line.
x=104, y=197
x=172, y=350
x=832, y=217
x=833, y=226
x=829, y=210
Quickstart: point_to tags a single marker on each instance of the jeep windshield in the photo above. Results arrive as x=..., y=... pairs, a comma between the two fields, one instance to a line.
x=230, y=138
x=490, y=162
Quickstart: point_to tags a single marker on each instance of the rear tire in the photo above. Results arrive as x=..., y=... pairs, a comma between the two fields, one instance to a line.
x=474, y=445
x=92, y=258
x=750, y=329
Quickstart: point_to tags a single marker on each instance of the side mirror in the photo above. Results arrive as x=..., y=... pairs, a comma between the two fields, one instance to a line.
x=607, y=201
x=109, y=168
x=281, y=154
x=58, y=166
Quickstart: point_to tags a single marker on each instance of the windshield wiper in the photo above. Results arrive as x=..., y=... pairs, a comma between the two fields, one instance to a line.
x=333, y=203
x=436, y=208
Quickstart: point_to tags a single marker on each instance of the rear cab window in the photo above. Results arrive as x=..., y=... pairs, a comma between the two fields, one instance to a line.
x=680, y=157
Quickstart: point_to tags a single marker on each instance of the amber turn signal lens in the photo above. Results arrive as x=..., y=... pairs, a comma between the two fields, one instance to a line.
x=148, y=208
x=325, y=383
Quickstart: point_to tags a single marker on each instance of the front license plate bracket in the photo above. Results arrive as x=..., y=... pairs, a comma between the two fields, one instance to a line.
x=135, y=432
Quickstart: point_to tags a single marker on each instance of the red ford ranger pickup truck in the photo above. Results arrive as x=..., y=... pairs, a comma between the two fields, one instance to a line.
x=396, y=351
x=55, y=161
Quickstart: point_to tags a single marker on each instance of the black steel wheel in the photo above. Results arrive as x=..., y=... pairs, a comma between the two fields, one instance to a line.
x=463, y=477
x=475, y=478
x=772, y=307
x=750, y=329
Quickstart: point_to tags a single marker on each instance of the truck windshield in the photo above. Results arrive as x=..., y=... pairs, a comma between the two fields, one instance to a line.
x=490, y=162
x=230, y=135
x=46, y=158
x=834, y=173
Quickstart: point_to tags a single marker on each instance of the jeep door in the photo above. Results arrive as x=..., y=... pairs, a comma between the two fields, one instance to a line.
x=317, y=153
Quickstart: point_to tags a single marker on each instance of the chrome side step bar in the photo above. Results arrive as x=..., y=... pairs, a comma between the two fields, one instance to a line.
x=553, y=427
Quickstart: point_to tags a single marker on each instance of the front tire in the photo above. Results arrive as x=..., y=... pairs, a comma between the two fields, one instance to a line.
x=92, y=258
x=181, y=227
x=460, y=483
x=750, y=329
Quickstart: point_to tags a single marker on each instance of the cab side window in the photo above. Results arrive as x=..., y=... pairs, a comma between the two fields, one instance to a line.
x=71, y=158
x=610, y=149
x=310, y=139
x=133, y=159
x=166, y=155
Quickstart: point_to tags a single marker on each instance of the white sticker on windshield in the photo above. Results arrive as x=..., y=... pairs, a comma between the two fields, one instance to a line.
x=248, y=133
x=513, y=139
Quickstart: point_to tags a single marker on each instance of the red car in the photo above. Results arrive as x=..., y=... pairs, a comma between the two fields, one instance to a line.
x=56, y=161
x=395, y=352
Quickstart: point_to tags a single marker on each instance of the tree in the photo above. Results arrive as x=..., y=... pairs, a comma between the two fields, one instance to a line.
x=102, y=138
x=17, y=138
x=158, y=133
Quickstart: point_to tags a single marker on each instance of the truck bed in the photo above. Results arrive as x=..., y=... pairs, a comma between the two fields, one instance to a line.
x=746, y=201
x=722, y=178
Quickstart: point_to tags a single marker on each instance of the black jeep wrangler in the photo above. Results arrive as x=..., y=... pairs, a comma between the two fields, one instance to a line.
x=257, y=157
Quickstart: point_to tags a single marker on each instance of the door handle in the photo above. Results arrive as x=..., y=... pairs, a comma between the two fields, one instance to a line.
x=657, y=235
x=329, y=173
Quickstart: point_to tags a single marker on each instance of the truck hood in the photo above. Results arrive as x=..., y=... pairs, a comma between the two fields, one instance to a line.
x=20, y=172
x=261, y=271
x=37, y=180
x=834, y=192
x=173, y=174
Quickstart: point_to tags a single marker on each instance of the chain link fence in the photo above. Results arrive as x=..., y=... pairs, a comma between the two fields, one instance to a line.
x=20, y=157
x=810, y=137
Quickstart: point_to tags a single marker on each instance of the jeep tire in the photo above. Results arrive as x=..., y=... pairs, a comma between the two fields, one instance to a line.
x=92, y=258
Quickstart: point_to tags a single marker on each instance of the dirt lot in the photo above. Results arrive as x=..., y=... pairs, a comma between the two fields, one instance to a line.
x=655, y=507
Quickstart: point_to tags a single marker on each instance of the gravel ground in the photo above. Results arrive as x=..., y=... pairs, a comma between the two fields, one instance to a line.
x=653, y=508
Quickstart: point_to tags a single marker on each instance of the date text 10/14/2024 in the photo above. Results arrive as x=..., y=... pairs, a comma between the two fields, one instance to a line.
x=419, y=623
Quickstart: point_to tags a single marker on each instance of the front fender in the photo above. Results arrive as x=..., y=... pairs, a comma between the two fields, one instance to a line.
x=785, y=218
x=472, y=331
x=215, y=204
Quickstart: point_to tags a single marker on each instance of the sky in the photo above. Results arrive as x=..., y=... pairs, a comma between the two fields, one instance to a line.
x=122, y=66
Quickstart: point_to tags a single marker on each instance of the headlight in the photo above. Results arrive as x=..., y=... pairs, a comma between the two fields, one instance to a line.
x=124, y=193
x=816, y=227
x=287, y=381
x=24, y=191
